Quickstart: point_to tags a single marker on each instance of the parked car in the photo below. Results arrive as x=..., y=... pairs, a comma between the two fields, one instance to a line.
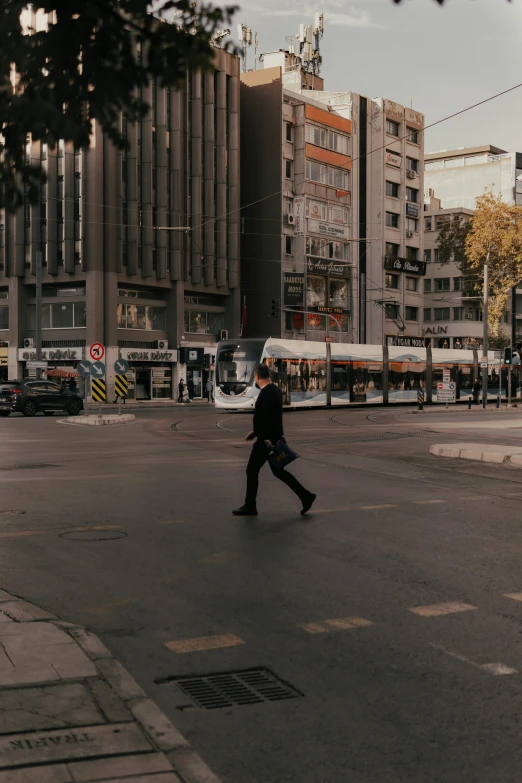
x=30, y=397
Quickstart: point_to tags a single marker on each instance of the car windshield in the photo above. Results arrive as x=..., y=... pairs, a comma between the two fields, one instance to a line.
x=235, y=366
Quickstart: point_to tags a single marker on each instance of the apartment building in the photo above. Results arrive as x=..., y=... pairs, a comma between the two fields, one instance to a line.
x=452, y=311
x=332, y=246
x=114, y=270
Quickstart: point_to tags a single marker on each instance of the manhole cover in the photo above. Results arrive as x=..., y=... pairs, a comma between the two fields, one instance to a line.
x=93, y=535
x=234, y=689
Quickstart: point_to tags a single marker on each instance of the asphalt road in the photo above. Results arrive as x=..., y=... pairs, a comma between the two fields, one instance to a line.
x=394, y=610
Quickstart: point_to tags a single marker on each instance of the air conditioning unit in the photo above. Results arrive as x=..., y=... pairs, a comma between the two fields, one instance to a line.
x=223, y=334
x=28, y=342
x=163, y=345
x=290, y=219
x=411, y=174
x=409, y=233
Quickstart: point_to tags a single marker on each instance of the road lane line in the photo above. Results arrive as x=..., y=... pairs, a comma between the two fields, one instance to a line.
x=496, y=669
x=438, y=610
x=336, y=624
x=514, y=596
x=380, y=505
x=330, y=510
x=202, y=643
x=428, y=502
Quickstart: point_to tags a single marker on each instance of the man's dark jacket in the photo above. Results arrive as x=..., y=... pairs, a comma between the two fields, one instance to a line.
x=268, y=414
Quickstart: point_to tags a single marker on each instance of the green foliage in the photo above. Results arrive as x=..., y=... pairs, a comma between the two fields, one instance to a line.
x=87, y=66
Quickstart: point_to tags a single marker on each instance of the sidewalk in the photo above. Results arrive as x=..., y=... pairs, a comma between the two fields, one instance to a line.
x=70, y=713
x=109, y=407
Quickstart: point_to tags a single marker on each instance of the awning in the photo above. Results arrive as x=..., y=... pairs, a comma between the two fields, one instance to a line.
x=58, y=372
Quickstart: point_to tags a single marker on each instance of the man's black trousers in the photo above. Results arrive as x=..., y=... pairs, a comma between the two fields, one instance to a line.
x=258, y=457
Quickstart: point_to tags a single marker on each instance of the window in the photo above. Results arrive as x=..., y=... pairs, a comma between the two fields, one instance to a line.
x=59, y=315
x=440, y=220
x=4, y=294
x=441, y=284
x=392, y=128
x=338, y=293
x=316, y=291
x=288, y=169
x=337, y=142
x=201, y=322
x=131, y=316
x=4, y=318
x=427, y=256
x=412, y=224
x=288, y=131
x=391, y=281
x=391, y=310
x=340, y=251
x=441, y=314
x=316, y=172
x=411, y=313
x=427, y=313
x=412, y=164
x=412, y=135
x=458, y=313
x=316, y=209
x=338, y=215
x=392, y=220
x=288, y=246
x=427, y=285
x=392, y=189
x=457, y=283
x=337, y=178
x=412, y=194
x=427, y=224
x=412, y=284
x=392, y=250
x=328, y=139
x=412, y=253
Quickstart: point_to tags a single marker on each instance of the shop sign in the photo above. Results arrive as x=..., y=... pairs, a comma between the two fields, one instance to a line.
x=393, y=160
x=325, y=266
x=131, y=355
x=52, y=354
x=293, y=286
x=412, y=210
x=405, y=265
x=328, y=229
x=436, y=330
x=299, y=216
x=334, y=310
x=3, y=357
x=405, y=342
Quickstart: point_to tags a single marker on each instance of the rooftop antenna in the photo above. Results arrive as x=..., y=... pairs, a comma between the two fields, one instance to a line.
x=411, y=101
x=309, y=44
x=255, y=51
x=244, y=34
x=219, y=36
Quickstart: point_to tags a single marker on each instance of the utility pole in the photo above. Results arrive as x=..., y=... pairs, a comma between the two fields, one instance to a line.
x=38, y=322
x=485, y=335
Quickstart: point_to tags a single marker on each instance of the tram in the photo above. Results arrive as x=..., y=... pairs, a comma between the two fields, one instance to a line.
x=316, y=374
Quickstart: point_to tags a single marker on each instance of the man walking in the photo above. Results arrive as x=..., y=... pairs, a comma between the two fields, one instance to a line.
x=181, y=389
x=210, y=388
x=476, y=391
x=268, y=426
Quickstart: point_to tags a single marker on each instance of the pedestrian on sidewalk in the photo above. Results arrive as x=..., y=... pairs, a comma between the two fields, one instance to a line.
x=476, y=391
x=268, y=430
x=181, y=389
x=210, y=388
x=191, y=389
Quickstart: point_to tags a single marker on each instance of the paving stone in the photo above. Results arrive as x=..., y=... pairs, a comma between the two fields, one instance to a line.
x=8, y=597
x=90, y=644
x=191, y=767
x=99, y=769
x=114, y=708
x=120, y=679
x=69, y=744
x=25, y=612
x=4, y=618
x=49, y=707
x=55, y=774
x=157, y=725
x=34, y=633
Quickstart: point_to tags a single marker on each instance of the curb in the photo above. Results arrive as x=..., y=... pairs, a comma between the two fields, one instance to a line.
x=480, y=452
x=164, y=736
x=93, y=420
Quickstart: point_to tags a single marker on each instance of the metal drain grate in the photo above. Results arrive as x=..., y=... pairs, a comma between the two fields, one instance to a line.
x=234, y=689
x=359, y=438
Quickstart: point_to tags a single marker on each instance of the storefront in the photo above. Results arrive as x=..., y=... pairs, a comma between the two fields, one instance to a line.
x=150, y=374
x=61, y=362
x=3, y=361
x=328, y=294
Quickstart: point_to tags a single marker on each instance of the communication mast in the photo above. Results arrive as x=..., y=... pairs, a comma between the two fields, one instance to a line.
x=309, y=44
x=244, y=34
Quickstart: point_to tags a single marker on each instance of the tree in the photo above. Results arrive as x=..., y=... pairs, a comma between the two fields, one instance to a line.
x=453, y=233
x=88, y=65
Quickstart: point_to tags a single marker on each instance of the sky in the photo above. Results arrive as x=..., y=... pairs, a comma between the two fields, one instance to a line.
x=437, y=59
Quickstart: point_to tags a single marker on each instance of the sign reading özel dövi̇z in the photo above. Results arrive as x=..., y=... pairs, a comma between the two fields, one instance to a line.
x=325, y=266
x=405, y=265
x=133, y=355
x=52, y=354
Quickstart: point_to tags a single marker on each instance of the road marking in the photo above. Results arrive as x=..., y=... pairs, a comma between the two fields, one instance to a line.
x=330, y=510
x=437, y=610
x=220, y=558
x=496, y=669
x=514, y=596
x=380, y=505
x=476, y=497
x=428, y=502
x=337, y=623
x=204, y=643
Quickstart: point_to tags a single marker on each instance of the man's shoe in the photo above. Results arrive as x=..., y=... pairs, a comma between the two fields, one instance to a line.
x=245, y=511
x=307, y=504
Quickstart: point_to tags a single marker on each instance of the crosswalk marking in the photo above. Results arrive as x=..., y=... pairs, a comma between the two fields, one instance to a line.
x=380, y=505
x=202, y=643
x=337, y=623
x=514, y=596
x=428, y=502
x=437, y=610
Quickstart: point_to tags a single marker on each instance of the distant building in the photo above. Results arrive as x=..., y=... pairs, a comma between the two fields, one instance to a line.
x=331, y=193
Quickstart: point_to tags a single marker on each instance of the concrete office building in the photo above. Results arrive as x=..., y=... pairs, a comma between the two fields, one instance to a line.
x=331, y=219
x=111, y=273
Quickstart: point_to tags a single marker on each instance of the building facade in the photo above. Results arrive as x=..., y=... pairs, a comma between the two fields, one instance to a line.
x=332, y=243
x=140, y=249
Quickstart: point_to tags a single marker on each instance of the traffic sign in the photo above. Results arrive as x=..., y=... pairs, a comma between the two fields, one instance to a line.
x=446, y=376
x=121, y=366
x=121, y=385
x=84, y=368
x=328, y=339
x=484, y=365
x=98, y=370
x=98, y=390
x=37, y=365
x=446, y=392
x=97, y=352
x=499, y=354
